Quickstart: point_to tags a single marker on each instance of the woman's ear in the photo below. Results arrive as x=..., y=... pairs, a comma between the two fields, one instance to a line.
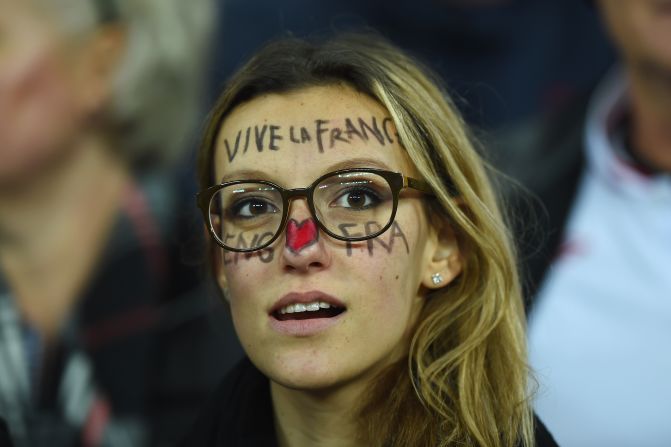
x=445, y=261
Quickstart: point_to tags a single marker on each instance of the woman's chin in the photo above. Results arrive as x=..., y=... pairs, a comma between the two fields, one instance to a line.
x=308, y=372
x=306, y=377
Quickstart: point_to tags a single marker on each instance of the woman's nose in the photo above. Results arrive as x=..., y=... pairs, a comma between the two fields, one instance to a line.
x=301, y=230
x=304, y=248
x=300, y=235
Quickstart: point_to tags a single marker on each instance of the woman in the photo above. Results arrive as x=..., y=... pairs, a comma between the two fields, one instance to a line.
x=96, y=97
x=370, y=277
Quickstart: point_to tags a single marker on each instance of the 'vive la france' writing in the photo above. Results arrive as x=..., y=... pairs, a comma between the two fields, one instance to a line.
x=270, y=136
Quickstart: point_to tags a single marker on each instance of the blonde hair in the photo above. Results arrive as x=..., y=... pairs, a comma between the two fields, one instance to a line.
x=158, y=89
x=465, y=378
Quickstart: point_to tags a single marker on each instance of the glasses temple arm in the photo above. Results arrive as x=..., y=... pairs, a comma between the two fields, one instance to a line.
x=421, y=185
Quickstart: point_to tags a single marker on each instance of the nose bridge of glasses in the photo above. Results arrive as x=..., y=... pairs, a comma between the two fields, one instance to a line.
x=299, y=193
x=295, y=193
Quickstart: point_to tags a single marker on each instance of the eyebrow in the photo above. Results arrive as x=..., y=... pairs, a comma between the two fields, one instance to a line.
x=359, y=162
x=244, y=174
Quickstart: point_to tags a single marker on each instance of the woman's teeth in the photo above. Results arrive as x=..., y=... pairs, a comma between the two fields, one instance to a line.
x=308, y=307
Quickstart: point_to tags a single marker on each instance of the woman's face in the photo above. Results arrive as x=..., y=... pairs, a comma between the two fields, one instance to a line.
x=378, y=284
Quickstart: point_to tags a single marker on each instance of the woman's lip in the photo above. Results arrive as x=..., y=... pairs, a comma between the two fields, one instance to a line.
x=305, y=298
x=304, y=328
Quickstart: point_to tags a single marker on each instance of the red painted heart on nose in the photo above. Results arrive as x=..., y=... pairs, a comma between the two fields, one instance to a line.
x=301, y=235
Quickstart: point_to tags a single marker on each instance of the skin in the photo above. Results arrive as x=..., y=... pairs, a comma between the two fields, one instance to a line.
x=317, y=380
x=60, y=182
x=641, y=29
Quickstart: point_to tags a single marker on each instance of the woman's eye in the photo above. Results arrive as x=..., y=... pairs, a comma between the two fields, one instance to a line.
x=249, y=208
x=357, y=199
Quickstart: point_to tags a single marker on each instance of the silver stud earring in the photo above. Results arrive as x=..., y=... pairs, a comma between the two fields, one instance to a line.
x=437, y=278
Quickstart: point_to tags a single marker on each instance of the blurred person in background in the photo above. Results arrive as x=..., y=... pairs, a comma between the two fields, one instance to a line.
x=102, y=340
x=600, y=326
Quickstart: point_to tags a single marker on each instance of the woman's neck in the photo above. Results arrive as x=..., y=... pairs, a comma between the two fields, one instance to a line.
x=315, y=419
x=651, y=116
x=52, y=228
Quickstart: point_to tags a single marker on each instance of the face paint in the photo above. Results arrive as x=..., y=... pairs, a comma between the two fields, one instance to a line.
x=301, y=235
x=395, y=231
x=269, y=137
x=266, y=255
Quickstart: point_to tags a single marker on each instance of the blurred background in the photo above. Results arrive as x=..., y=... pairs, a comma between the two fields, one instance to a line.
x=111, y=332
x=505, y=60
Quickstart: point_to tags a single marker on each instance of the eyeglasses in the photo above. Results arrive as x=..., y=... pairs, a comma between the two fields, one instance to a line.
x=349, y=205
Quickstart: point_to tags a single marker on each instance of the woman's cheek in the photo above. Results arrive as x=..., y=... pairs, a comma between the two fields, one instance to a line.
x=385, y=263
x=242, y=277
x=392, y=243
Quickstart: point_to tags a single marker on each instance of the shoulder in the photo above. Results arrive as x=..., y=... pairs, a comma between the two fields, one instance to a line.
x=239, y=412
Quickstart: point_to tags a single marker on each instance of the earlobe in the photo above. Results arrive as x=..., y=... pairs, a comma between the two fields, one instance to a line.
x=445, y=263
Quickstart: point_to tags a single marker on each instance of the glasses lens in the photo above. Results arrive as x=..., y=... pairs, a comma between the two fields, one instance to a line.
x=354, y=204
x=245, y=216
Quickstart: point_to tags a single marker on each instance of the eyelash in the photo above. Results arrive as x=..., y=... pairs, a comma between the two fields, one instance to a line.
x=369, y=193
x=247, y=201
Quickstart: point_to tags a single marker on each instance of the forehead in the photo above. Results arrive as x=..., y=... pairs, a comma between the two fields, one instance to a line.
x=295, y=137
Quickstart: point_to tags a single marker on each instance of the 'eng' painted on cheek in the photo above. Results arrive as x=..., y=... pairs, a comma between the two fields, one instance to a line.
x=265, y=255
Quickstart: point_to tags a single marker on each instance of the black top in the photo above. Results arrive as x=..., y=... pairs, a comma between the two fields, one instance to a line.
x=240, y=414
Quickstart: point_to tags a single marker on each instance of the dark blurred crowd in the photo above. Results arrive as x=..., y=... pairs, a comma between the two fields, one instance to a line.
x=110, y=331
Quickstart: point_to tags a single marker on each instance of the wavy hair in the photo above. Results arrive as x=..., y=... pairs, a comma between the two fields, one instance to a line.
x=464, y=380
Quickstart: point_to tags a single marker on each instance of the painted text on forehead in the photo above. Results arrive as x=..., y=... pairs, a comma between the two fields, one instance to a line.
x=320, y=134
